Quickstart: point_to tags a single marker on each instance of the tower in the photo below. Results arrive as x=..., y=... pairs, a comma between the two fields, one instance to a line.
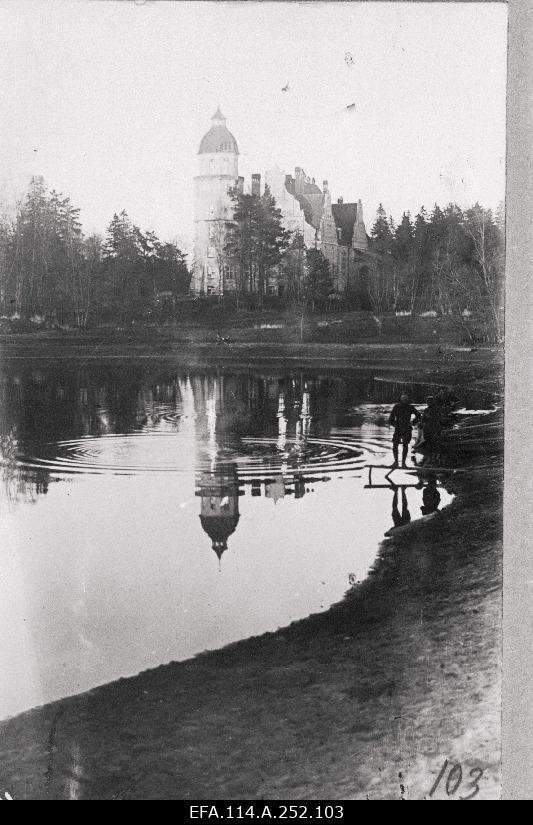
x=218, y=171
x=359, y=240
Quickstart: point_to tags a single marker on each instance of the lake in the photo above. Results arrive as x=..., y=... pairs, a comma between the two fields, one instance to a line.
x=150, y=512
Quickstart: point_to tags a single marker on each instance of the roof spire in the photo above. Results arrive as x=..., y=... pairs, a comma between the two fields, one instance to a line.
x=218, y=117
x=218, y=138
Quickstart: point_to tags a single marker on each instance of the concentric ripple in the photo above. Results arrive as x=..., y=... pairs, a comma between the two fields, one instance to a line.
x=117, y=454
x=179, y=452
x=316, y=457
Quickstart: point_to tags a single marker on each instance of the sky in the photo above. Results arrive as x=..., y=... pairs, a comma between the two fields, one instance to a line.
x=108, y=100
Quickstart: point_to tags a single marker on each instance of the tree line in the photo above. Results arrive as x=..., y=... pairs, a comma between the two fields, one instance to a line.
x=449, y=262
x=49, y=270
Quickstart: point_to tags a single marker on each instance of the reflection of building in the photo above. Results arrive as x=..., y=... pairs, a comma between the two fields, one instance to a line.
x=219, y=512
x=275, y=489
x=282, y=422
x=305, y=412
x=222, y=407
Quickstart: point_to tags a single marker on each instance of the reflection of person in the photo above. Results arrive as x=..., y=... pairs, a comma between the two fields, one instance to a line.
x=430, y=496
x=402, y=417
x=405, y=516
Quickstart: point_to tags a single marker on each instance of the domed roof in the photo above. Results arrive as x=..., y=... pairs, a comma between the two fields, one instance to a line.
x=219, y=529
x=218, y=138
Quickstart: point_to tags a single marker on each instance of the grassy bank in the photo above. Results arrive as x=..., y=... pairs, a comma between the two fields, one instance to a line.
x=364, y=701
x=207, y=324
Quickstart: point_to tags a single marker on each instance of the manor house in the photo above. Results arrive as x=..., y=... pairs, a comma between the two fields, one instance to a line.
x=337, y=229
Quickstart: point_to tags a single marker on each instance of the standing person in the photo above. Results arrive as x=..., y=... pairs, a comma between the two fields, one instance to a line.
x=432, y=422
x=402, y=418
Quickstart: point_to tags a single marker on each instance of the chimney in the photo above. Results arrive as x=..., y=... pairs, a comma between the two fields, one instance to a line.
x=299, y=180
x=325, y=186
x=256, y=184
x=340, y=200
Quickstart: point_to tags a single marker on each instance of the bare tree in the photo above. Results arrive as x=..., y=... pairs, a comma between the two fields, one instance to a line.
x=488, y=255
x=218, y=239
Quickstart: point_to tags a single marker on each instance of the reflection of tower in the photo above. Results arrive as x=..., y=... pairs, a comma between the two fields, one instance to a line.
x=282, y=422
x=219, y=513
x=218, y=486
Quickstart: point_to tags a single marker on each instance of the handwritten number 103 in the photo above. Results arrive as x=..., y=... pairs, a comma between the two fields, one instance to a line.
x=455, y=779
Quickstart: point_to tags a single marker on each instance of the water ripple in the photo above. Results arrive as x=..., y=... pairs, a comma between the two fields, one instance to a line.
x=180, y=452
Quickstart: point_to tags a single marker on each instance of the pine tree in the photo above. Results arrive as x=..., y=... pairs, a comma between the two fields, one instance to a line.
x=292, y=269
x=381, y=235
x=403, y=255
x=124, y=283
x=319, y=280
x=257, y=238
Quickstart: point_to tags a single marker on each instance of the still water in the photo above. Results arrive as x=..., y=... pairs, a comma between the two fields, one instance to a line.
x=149, y=512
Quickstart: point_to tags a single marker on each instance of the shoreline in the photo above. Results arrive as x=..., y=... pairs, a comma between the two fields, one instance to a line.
x=336, y=705
x=479, y=368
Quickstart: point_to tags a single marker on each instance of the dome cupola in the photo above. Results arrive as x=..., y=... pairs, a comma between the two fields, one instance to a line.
x=218, y=138
x=219, y=529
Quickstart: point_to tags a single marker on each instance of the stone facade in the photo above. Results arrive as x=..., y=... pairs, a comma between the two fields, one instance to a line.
x=218, y=172
x=336, y=229
x=294, y=218
x=344, y=242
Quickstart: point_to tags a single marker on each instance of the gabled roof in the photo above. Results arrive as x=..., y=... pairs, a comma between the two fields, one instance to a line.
x=344, y=215
x=310, y=198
